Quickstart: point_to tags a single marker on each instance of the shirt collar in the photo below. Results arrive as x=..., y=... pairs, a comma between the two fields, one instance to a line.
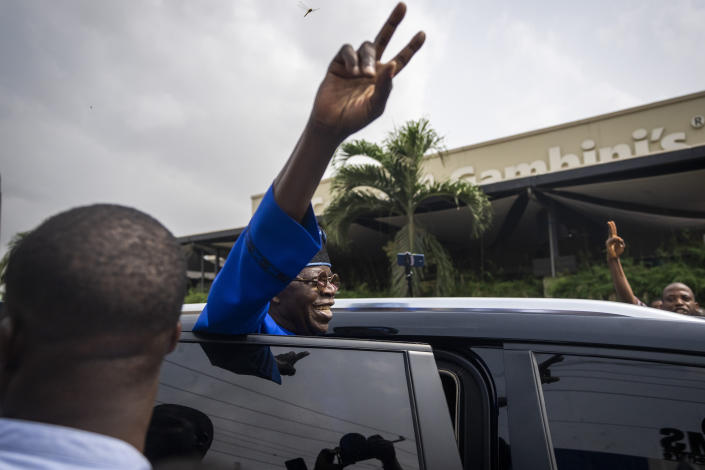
x=68, y=446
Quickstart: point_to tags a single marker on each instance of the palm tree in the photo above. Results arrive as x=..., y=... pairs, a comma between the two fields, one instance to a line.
x=392, y=186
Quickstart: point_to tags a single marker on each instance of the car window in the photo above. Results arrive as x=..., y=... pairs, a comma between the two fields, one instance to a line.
x=269, y=405
x=613, y=413
x=493, y=358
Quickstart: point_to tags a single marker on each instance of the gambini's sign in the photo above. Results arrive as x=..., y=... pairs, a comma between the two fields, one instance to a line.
x=591, y=154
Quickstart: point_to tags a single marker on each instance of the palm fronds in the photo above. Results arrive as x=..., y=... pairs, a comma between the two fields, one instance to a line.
x=347, y=207
x=462, y=194
x=357, y=148
x=392, y=185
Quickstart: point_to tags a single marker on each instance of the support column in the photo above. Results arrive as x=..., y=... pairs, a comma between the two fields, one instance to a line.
x=203, y=273
x=216, y=262
x=553, y=237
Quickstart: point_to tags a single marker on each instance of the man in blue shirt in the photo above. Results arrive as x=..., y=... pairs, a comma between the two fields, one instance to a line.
x=283, y=234
x=300, y=307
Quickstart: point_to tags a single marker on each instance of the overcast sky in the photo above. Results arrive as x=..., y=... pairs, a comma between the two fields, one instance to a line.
x=184, y=109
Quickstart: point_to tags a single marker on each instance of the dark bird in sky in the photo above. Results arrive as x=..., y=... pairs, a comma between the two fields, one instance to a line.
x=307, y=9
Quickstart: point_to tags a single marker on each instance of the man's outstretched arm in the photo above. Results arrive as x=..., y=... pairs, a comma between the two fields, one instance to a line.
x=615, y=247
x=282, y=236
x=353, y=93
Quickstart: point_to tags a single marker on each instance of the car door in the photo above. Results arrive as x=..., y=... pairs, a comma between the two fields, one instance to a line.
x=279, y=401
x=596, y=407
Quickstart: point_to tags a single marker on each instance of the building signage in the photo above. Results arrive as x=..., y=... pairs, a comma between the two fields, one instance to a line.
x=664, y=126
x=640, y=145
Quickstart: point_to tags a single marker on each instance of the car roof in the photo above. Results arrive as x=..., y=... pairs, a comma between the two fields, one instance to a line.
x=564, y=321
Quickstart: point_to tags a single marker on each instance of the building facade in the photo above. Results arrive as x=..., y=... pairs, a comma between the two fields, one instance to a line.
x=552, y=191
x=659, y=127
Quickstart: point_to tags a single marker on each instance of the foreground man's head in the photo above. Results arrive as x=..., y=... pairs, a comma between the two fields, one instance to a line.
x=92, y=304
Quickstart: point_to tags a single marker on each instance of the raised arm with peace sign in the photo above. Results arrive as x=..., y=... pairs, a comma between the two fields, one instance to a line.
x=353, y=93
x=275, y=250
x=357, y=84
x=615, y=247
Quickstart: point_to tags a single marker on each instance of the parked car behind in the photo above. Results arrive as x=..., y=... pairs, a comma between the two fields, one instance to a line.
x=454, y=383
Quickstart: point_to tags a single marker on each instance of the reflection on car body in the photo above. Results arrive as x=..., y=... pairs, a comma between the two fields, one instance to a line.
x=459, y=383
x=258, y=421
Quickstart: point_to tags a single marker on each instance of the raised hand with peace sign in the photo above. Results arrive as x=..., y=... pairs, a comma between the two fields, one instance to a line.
x=615, y=245
x=353, y=93
x=615, y=248
x=357, y=84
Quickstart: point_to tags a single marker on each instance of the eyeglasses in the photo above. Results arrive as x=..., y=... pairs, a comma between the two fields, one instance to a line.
x=321, y=281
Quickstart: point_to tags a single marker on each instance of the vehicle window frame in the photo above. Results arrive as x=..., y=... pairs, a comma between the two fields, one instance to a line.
x=423, y=385
x=531, y=444
x=455, y=415
x=667, y=357
x=433, y=428
x=475, y=431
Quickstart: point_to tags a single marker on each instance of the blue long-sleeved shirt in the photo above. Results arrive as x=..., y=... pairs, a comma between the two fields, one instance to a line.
x=267, y=255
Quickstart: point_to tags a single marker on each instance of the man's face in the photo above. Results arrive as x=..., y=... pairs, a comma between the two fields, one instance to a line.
x=302, y=307
x=679, y=298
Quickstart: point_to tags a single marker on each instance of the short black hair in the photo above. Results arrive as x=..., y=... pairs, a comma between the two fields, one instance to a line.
x=99, y=269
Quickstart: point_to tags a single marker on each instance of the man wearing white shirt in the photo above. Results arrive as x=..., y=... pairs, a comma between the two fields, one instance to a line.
x=30, y=445
x=92, y=304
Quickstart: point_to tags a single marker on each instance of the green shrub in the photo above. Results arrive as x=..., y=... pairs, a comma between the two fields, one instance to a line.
x=195, y=296
x=473, y=287
x=360, y=291
x=590, y=282
x=684, y=263
x=498, y=287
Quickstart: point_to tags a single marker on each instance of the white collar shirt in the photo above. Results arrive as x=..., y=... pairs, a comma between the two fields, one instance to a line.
x=31, y=445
